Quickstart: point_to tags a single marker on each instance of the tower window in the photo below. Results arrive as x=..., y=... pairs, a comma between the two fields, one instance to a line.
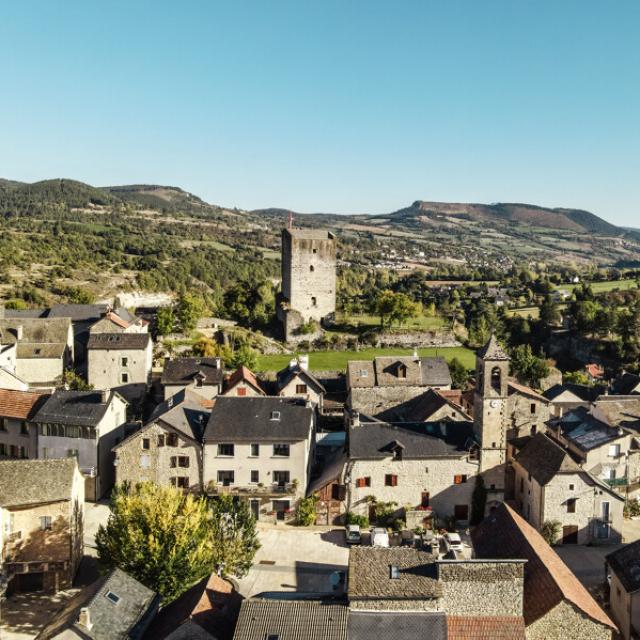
x=314, y=301
x=496, y=379
x=312, y=268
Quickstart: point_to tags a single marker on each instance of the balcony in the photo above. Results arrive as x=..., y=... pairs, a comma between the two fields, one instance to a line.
x=617, y=482
x=274, y=489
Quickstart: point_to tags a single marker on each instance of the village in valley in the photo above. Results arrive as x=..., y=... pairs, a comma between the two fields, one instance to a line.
x=148, y=489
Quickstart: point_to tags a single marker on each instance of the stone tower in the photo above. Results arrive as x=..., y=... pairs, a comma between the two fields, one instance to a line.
x=490, y=415
x=308, y=277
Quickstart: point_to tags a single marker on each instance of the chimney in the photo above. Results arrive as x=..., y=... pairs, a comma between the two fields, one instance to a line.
x=17, y=331
x=415, y=354
x=355, y=418
x=218, y=361
x=84, y=618
x=293, y=363
x=304, y=362
x=104, y=395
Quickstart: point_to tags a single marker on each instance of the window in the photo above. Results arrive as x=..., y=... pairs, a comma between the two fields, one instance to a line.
x=226, y=478
x=402, y=371
x=172, y=440
x=281, y=478
x=3, y=424
x=363, y=482
x=496, y=379
x=182, y=482
x=275, y=415
x=183, y=461
x=281, y=450
x=146, y=443
x=124, y=378
x=13, y=451
x=72, y=453
x=311, y=268
x=571, y=505
x=45, y=523
x=24, y=453
x=226, y=450
x=255, y=450
x=533, y=409
x=274, y=636
x=364, y=373
x=112, y=597
x=390, y=480
x=572, y=487
x=161, y=440
x=124, y=361
x=24, y=429
x=242, y=391
x=145, y=460
x=314, y=250
x=301, y=388
x=255, y=476
x=314, y=302
x=394, y=572
x=3, y=449
x=605, y=512
x=534, y=429
x=460, y=479
x=614, y=450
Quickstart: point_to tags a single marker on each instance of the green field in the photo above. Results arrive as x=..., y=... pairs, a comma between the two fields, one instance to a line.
x=420, y=323
x=603, y=287
x=337, y=360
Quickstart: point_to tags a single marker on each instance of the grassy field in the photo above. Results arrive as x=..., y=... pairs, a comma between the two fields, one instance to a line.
x=421, y=323
x=603, y=287
x=337, y=360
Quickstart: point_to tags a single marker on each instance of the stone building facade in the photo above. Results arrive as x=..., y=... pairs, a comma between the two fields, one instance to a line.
x=623, y=573
x=18, y=434
x=308, y=277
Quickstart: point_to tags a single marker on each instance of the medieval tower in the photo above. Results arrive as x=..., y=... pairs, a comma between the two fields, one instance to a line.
x=308, y=277
x=491, y=414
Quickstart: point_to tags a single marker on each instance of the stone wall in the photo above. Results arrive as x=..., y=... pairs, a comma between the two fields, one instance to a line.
x=105, y=367
x=371, y=401
x=40, y=370
x=565, y=622
x=481, y=588
x=410, y=339
x=13, y=436
x=522, y=419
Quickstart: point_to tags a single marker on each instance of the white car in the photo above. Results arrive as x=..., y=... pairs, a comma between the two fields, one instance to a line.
x=379, y=537
x=453, y=541
x=352, y=534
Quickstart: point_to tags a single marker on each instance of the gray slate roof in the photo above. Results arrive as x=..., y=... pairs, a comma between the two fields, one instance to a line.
x=493, y=350
x=126, y=619
x=236, y=419
x=371, y=440
x=309, y=233
x=84, y=408
x=625, y=562
x=581, y=391
x=78, y=312
x=544, y=459
x=385, y=371
x=370, y=574
x=183, y=370
x=399, y=625
x=25, y=482
x=35, y=350
x=291, y=620
x=129, y=341
x=587, y=432
x=35, y=329
x=285, y=376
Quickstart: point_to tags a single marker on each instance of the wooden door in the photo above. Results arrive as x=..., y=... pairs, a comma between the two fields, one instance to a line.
x=570, y=534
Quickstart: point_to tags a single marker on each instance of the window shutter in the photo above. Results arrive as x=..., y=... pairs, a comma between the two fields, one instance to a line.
x=457, y=479
x=394, y=481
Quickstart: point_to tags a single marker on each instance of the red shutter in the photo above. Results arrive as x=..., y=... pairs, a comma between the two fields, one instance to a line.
x=394, y=481
x=457, y=479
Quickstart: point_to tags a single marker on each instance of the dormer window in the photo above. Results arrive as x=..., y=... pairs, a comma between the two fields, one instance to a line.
x=275, y=415
x=112, y=597
x=364, y=373
x=402, y=371
x=394, y=572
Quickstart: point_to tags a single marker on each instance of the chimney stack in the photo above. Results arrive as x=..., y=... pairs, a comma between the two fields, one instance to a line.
x=85, y=619
x=218, y=362
x=303, y=361
x=355, y=418
x=104, y=395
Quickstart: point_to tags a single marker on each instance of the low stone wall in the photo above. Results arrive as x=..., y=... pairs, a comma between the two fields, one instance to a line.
x=418, y=339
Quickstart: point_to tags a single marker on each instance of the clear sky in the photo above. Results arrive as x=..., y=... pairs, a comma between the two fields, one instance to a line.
x=329, y=105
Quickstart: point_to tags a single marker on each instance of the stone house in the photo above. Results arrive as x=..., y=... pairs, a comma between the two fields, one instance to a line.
x=8, y=377
x=242, y=382
x=430, y=466
x=120, y=321
x=120, y=361
x=433, y=405
x=295, y=381
x=42, y=505
x=551, y=486
x=567, y=397
x=556, y=606
x=203, y=375
x=623, y=574
x=114, y=607
x=308, y=290
x=260, y=449
x=18, y=434
x=388, y=382
x=608, y=452
x=626, y=384
x=168, y=448
x=86, y=425
x=330, y=490
x=44, y=347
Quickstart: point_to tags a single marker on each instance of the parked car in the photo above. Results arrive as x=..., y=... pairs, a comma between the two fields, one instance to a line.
x=379, y=537
x=453, y=541
x=352, y=534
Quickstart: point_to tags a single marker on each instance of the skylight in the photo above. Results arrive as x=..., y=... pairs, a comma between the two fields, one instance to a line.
x=113, y=597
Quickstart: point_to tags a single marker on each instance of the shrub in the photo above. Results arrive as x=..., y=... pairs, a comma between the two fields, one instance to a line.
x=550, y=531
x=306, y=511
x=361, y=521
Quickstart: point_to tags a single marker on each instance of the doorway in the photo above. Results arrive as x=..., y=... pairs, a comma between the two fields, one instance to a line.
x=570, y=534
x=255, y=509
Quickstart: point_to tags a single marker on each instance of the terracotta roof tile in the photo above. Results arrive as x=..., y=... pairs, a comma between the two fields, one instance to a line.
x=547, y=579
x=485, y=627
x=21, y=405
x=243, y=374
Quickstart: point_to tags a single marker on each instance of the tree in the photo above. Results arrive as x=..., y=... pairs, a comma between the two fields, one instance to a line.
x=459, y=374
x=529, y=367
x=384, y=306
x=394, y=307
x=576, y=377
x=550, y=531
x=74, y=382
x=189, y=309
x=234, y=535
x=549, y=312
x=160, y=536
x=306, y=511
x=165, y=321
x=246, y=356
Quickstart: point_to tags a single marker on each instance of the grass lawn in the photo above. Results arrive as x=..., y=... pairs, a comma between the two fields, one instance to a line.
x=337, y=360
x=602, y=287
x=420, y=323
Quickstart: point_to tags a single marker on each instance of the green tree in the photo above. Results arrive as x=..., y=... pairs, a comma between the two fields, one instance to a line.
x=306, y=511
x=459, y=374
x=244, y=355
x=550, y=531
x=576, y=377
x=160, y=536
x=165, y=321
x=189, y=309
x=384, y=307
x=528, y=367
x=75, y=382
x=234, y=535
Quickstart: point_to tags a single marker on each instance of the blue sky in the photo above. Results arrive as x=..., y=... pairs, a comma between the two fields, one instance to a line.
x=330, y=106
